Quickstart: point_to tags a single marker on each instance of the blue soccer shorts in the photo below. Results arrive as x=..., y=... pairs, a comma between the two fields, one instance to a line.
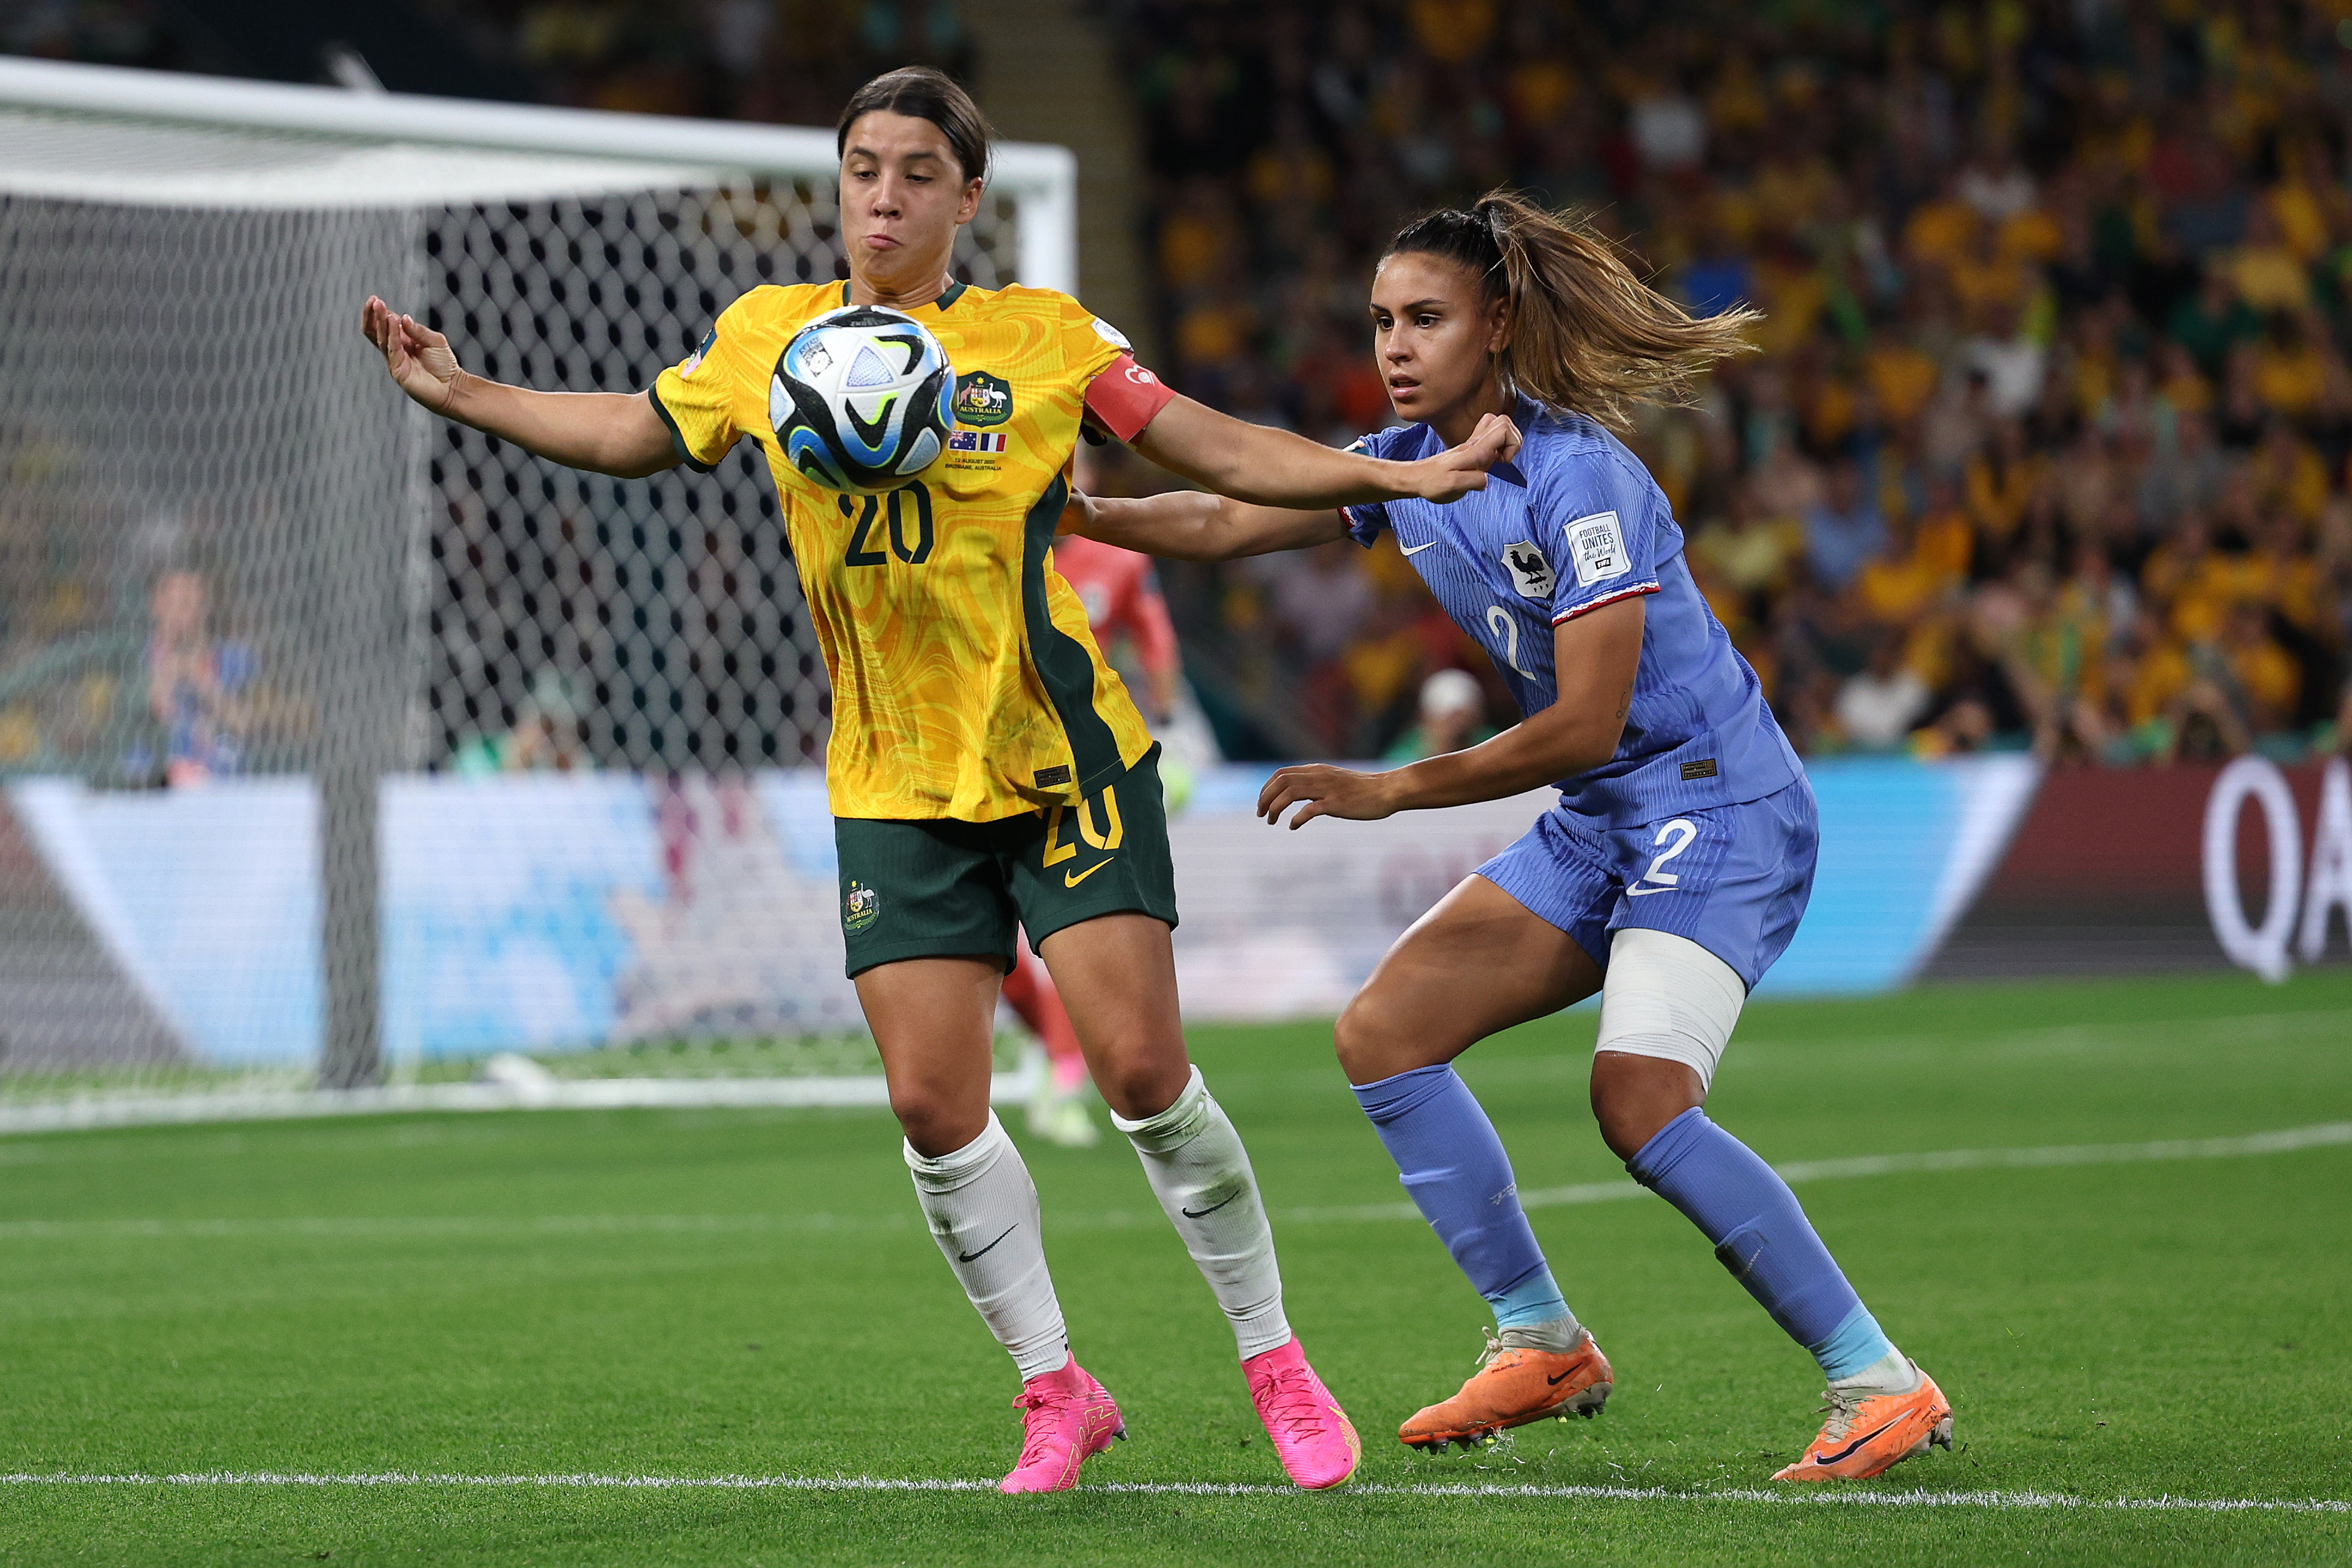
x=1732, y=878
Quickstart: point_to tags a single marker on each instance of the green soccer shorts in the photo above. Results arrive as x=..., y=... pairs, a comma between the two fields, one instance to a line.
x=939, y=887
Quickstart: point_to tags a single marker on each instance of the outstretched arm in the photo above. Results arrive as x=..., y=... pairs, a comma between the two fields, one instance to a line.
x=1277, y=469
x=1595, y=655
x=605, y=432
x=1188, y=525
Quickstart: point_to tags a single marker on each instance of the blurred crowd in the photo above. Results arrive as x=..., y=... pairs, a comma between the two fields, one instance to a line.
x=792, y=62
x=789, y=61
x=2046, y=441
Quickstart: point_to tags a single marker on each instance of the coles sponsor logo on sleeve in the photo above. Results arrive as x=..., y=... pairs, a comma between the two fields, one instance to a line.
x=1596, y=546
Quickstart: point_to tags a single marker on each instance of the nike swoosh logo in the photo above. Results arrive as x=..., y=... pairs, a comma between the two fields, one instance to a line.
x=968, y=1256
x=1645, y=892
x=1417, y=549
x=1555, y=1381
x=1072, y=878
x=1204, y=1214
x=1848, y=1451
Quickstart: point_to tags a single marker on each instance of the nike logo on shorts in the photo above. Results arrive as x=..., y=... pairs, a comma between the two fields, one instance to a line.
x=1414, y=549
x=968, y=1256
x=1072, y=878
x=1645, y=892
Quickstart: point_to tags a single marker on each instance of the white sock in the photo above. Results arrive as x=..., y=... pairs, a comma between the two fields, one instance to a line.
x=982, y=1210
x=1558, y=1335
x=1195, y=1162
x=1890, y=1373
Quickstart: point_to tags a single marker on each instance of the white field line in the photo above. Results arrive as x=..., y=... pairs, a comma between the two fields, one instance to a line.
x=2324, y=1135
x=87, y=1111
x=1855, y=1498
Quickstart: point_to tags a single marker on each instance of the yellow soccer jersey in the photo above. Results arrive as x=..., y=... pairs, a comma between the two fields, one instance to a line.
x=965, y=681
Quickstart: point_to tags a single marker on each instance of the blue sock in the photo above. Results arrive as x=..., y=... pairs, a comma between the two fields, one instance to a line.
x=1742, y=1205
x=1450, y=1162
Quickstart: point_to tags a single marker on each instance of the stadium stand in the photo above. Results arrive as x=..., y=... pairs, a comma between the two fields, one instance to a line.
x=2047, y=441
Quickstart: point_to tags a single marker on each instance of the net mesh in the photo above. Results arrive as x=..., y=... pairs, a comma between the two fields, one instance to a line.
x=243, y=584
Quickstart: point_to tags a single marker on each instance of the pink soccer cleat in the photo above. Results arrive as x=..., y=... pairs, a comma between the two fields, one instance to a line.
x=1067, y=1418
x=1311, y=1434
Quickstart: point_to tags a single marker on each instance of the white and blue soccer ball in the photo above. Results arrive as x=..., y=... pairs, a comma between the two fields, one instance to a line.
x=863, y=399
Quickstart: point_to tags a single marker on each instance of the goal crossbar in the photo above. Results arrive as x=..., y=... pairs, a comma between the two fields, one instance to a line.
x=1044, y=177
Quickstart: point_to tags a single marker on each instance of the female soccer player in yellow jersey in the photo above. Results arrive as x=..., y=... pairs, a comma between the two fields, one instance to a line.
x=987, y=769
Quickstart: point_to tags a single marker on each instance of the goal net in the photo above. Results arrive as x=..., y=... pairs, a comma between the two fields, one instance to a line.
x=342, y=747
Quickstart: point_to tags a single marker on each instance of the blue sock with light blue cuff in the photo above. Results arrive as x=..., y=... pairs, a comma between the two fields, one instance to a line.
x=1741, y=1205
x=1452, y=1162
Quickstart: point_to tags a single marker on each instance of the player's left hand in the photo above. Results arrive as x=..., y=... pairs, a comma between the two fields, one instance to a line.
x=1319, y=789
x=1456, y=471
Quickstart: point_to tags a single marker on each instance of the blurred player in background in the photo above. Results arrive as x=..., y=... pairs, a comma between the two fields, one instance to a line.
x=1453, y=712
x=1674, y=868
x=1057, y=1112
x=988, y=771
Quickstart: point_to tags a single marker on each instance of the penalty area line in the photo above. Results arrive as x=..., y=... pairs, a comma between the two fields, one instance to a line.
x=1855, y=1498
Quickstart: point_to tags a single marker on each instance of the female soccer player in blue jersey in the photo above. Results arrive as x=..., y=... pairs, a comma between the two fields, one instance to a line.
x=1673, y=872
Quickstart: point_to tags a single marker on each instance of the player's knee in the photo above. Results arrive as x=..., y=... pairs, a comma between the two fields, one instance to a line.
x=933, y=1122
x=1365, y=1039
x=1139, y=1084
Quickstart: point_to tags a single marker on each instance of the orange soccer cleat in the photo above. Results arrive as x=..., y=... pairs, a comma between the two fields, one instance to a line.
x=1513, y=1386
x=1868, y=1433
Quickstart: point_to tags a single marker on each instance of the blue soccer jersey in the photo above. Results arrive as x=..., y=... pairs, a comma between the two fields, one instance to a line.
x=1574, y=523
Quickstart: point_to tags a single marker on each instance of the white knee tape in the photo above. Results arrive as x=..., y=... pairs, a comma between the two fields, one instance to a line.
x=1667, y=996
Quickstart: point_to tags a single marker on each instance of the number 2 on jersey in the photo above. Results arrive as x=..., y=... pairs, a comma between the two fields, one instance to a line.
x=1499, y=621
x=862, y=553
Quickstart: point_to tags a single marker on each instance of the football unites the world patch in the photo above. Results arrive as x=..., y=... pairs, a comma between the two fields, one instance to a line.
x=976, y=440
x=982, y=400
x=1596, y=546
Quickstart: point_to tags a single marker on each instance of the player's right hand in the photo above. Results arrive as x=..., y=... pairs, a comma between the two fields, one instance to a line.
x=420, y=359
x=1456, y=472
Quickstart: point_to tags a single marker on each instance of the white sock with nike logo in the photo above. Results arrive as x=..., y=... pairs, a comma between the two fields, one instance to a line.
x=1195, y=1162
x=982, y=1211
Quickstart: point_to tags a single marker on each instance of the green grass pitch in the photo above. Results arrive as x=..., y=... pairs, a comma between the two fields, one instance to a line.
x=712, y=1294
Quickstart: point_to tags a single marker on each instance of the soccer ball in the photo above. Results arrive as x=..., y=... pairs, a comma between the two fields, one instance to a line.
x=863, y=399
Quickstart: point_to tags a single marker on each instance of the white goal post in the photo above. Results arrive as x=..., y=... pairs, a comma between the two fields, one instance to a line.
x=227, y=547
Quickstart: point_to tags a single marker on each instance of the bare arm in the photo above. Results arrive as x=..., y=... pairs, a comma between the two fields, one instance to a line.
x=1596, y=656
x=1275, y=468
x=606, y=431
x=1188, y=525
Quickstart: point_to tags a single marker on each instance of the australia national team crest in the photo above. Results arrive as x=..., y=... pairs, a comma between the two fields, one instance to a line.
x=1531, y=574
x=859, y=908
x=981, y=401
